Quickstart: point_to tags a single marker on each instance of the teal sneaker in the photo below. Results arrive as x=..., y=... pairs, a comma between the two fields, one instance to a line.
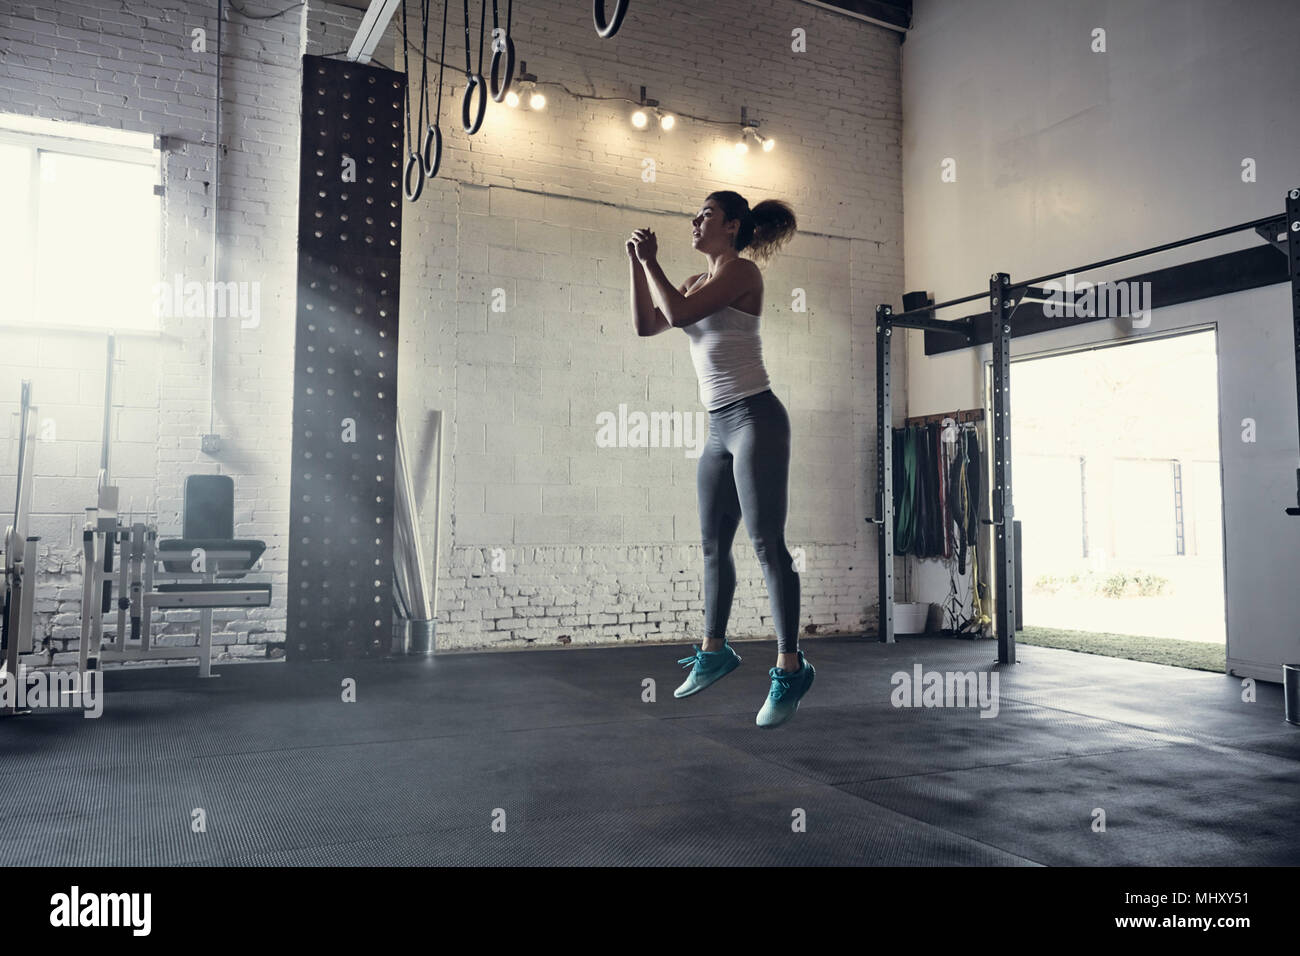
x=709, y=667
x=787, y=690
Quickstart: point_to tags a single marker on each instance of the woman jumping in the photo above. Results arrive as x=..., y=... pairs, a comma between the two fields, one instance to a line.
x=745, y=467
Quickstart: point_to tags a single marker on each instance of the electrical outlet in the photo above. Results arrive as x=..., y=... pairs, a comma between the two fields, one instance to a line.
x=211, y=444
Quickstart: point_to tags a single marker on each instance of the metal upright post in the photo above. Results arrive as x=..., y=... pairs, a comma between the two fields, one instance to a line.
x=146, y=610
x=106, y=437
x=210, y=574
x=90, y=606
x=1004, y=570
x=106, y=513
x=885, y=472
x=205, y=643
x=21, y=555
x=124, y=543
x=1293, y=264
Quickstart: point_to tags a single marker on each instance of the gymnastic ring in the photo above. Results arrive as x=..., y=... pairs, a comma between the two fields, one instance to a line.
x=432, y=147
x=475, y=82
x=413, y=163
x=604, y=28
x=499, y=90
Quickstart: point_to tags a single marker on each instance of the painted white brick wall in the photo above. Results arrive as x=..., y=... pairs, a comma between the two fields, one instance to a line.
x=598, y=544
x=546, y=537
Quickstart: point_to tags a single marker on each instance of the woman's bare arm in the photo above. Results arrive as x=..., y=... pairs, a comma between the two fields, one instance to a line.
x=733, y=279
x=647, y=319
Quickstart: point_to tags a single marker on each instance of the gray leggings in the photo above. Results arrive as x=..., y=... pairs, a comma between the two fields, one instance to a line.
x=744, y=470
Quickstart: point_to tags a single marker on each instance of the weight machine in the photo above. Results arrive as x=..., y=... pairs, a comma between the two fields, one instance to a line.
x=1232, y=272
x=201, y=570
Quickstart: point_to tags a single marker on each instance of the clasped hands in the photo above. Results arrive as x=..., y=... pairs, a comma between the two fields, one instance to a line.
x=643, y=245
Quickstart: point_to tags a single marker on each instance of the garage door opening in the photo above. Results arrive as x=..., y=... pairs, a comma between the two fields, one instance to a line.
x=1117, y=483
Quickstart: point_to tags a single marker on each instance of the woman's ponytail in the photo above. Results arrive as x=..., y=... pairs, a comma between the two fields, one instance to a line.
x=763, y=229
x=774, y=225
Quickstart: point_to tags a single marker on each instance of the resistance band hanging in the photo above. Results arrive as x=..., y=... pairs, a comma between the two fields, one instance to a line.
x=923, y=502
x=413, y=162
x=474, y=80
x=963, y=463
x=607, y=28
x=502, y=44
x=905, y=491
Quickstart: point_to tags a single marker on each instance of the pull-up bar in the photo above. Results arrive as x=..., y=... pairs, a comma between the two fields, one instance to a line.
x=926, y=312
x=1003, y=298
x=1163, y=247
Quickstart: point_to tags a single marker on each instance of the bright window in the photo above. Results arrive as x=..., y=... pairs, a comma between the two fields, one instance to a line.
x=80, y=227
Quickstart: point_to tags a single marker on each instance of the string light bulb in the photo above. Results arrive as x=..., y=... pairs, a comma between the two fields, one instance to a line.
x=749, y=129
x=641, y=118
x=528, y=88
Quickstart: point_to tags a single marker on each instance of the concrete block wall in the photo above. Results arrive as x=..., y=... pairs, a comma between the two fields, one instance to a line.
x=545, y=536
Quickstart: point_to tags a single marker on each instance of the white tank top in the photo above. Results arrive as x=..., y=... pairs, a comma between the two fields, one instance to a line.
x=728, y=357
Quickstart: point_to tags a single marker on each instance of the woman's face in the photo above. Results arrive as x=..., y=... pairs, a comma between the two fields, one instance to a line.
x=708, y=232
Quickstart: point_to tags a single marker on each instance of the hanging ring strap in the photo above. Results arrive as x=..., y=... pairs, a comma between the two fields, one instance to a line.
x=430, y=156
x=424, y=59
x=474, y=81
x=502, y=45
x=607, y=28
x=425, y=123
x=412, y=192
x=406, y=71
x=413, y=165
x=472, y=125
x=501, y=87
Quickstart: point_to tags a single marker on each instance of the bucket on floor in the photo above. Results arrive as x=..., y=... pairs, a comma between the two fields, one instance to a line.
x=415, y=638
x=422, y=638
x=910, y=618
x=1291, y=692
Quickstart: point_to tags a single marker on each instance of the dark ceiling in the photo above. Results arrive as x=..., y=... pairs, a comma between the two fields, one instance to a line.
x=897, y=12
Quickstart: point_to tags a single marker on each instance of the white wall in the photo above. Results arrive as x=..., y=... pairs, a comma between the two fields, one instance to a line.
x=1066, y=156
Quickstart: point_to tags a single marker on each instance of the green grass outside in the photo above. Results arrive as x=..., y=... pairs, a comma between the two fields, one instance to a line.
x=1195, y=655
